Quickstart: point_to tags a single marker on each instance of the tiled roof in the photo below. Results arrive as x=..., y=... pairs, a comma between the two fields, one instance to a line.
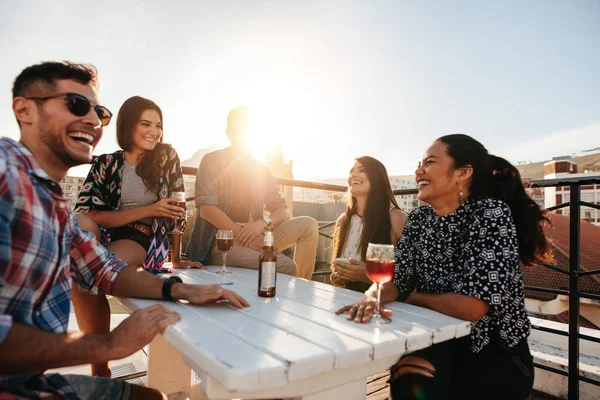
x=564, y=318
x=558, y=235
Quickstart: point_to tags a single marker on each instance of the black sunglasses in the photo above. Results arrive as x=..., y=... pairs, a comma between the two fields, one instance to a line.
x=78, y=105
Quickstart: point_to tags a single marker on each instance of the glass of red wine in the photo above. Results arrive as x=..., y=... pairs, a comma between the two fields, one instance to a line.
x=380, y=269
x=224, y=243
x=180, y=196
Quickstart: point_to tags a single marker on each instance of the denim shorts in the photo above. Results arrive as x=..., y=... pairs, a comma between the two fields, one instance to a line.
x=130, y=233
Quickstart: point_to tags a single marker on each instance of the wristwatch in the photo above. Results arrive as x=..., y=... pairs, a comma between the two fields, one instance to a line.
x=166, y=288
x=267, y=219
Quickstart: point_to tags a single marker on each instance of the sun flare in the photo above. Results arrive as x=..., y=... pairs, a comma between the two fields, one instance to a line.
x=270, y=122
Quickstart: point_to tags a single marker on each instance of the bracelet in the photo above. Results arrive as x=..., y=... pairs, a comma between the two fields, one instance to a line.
x=166, y=288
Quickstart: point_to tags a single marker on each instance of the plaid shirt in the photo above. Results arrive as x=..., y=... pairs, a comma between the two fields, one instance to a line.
x=41, y=248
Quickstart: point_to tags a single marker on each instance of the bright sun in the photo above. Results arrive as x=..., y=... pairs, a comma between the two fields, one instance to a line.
x=269, y=126
x=283, y=112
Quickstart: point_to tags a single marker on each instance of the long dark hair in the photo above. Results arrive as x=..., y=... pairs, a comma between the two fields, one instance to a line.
x=377, y=226
x=497, y=178
x=129, y=115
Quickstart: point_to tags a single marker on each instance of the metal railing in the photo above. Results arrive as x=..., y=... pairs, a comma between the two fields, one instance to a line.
x=574, y=293
x=574, y=273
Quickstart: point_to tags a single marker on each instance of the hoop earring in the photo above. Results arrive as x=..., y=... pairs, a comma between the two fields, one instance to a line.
x=461, y=196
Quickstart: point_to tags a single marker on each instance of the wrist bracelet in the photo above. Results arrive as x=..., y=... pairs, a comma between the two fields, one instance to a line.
x=166, y=288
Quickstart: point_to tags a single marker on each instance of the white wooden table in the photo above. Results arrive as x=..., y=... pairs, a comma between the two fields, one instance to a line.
x=292, y=345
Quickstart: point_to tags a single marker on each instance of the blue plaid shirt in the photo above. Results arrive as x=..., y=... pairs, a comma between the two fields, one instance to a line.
x=42, y=248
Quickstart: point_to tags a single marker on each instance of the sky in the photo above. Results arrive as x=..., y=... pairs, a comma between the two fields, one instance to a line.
x=330, y=80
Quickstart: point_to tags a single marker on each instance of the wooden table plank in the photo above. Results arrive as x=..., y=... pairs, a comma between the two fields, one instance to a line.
x=450, y=326
x=292, y=344
x=230, y=359
x=441, y=327
x=385, y=342
x=348, y=350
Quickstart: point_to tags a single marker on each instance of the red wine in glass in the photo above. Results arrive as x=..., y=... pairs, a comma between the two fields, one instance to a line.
x=182, y=204
x=224, y=245
x=380, y=271
x=179, y=222
x=379, y=266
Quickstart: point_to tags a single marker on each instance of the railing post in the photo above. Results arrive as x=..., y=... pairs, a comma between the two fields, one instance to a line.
x=574, y=247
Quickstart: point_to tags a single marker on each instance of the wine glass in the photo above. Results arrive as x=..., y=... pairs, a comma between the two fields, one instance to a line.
x=380, y=269
x=224, y=243
x=180, y=196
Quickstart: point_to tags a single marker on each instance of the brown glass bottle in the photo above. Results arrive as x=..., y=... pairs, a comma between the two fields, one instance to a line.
x=267, y=266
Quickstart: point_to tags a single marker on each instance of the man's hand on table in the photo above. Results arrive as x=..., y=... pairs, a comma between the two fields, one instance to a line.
x=139, y=329
x=202, y=294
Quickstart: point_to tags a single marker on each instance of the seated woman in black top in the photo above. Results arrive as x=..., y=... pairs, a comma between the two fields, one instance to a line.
x=462, y=256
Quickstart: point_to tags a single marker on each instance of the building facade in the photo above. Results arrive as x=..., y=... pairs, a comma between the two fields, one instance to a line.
x=407, y=202
x=280, y=169
x=71, y=186
x=565, y=168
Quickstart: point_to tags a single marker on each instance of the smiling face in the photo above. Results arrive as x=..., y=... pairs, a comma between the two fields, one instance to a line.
x=439, y=183
x=358, y=181
x=148, y=131
x=70, y=138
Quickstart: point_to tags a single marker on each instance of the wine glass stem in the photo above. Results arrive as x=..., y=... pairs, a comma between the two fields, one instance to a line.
x=378, y=304
x=224, y=261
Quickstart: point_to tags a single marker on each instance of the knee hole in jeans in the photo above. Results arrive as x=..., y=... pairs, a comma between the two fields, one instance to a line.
x=412, y=366
x=413, y=386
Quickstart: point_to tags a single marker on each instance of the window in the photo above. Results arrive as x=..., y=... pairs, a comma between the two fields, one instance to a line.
x=587, y=197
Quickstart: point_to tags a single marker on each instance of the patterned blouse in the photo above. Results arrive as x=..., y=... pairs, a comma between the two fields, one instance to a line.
x=102, y=191
x=474, y=252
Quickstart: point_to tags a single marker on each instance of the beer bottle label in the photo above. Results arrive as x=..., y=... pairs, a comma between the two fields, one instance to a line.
x=268, y=274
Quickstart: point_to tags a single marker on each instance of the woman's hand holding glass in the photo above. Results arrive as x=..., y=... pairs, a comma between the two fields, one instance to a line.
x=353, y=271
x=181, y=203
x=380, y=269
x=162, y=208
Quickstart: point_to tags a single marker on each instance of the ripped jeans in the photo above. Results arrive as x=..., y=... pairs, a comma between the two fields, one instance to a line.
x=496, y=372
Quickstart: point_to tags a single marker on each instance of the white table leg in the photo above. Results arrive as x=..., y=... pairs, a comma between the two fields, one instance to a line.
x=167, y=371
x=351, y=391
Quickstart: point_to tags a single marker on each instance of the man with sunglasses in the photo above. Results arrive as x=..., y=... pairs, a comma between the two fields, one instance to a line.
x=42, y=248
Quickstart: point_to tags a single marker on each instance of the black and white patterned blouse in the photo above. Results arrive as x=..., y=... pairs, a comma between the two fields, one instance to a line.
x=472, y=251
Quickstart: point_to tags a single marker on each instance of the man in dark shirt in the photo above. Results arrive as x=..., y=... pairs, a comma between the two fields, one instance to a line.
x=232, y=191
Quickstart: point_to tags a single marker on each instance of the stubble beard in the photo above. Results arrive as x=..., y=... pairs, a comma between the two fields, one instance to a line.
x=52, y=138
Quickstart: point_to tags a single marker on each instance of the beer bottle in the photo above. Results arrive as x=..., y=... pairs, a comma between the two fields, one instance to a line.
x=267, y=266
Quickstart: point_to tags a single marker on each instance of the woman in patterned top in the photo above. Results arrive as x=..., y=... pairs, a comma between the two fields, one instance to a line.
x=373, y=216
x=125, y=199
x=461, y=256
